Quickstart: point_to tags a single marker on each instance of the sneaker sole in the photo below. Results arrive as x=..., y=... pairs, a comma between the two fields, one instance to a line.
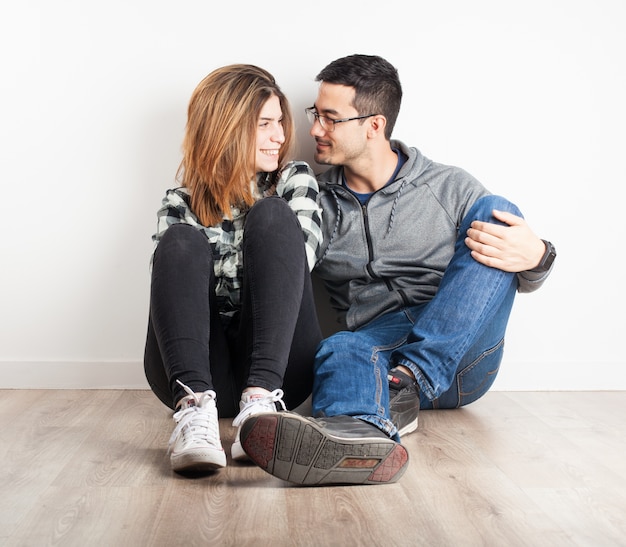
x=198, y=460
x=294, y=449
x=237, y=452
x=408, y=428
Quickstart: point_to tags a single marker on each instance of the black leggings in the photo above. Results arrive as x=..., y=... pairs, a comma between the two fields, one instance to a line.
x=272, y=340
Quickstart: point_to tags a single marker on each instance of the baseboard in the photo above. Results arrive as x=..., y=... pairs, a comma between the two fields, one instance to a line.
x=538, y=376
x=130, y=375
x=72, y=375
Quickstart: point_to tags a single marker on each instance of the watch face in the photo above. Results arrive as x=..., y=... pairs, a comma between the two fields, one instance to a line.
x=549, y=257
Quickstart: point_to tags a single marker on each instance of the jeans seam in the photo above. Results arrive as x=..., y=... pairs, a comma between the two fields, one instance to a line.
x=474, y=363
x=376, y=350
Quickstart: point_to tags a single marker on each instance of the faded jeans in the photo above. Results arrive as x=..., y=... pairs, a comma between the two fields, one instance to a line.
x=453, y=344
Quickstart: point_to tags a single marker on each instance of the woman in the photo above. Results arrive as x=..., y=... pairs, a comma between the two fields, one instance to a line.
x=232, y=317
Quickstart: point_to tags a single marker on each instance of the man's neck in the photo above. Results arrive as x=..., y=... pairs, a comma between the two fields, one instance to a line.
x=372, y=172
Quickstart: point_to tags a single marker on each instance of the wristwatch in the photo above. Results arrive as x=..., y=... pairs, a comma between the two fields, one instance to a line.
x=547, y=259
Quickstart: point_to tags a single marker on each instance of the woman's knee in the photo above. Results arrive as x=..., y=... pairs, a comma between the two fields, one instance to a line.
x=270, y=212
x=182, y=261
x=182, y=242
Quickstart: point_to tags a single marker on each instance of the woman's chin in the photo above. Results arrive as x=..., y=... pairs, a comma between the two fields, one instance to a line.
x=267, y=166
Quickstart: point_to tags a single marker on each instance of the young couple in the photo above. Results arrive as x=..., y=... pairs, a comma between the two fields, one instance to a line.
x=421, y=262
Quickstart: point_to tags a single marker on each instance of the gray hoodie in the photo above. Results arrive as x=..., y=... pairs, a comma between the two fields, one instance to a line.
x=393, y=251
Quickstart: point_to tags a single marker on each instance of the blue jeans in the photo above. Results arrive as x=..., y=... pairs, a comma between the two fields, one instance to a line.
x=453, y=343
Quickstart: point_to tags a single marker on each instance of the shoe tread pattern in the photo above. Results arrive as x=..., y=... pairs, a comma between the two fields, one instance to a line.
x=297, y=452
x=391, y=465
x=260, y=441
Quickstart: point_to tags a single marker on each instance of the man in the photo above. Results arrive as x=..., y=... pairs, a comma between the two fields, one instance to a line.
x=422, y=264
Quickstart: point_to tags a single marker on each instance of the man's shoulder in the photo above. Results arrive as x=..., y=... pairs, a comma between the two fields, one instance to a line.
x=332, y=176
x=433, y=172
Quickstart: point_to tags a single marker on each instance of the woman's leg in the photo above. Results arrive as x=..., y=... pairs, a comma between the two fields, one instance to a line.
x=185, y=338
x=279, y=321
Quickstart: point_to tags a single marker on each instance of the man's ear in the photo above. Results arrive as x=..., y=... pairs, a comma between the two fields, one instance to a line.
x=377, y=126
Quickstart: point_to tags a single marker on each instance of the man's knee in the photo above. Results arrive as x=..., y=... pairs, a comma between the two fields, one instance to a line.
x=484, y=206
x=334, y=342
x=342, y=348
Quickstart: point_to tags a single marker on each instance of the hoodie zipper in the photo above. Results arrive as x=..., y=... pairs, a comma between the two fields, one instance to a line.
x=368, y=240
x=370, y=254
x=370, y=249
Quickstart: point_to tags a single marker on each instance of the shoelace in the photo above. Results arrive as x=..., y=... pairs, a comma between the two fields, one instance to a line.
x=252, y=407
x=195, y=420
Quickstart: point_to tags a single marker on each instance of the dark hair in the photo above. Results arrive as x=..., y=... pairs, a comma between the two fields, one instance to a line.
x=375, y=81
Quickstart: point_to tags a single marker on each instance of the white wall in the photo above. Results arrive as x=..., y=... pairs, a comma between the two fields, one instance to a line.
x=527, y=96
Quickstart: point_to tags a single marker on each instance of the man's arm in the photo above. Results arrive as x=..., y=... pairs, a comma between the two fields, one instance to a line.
x=512, y=248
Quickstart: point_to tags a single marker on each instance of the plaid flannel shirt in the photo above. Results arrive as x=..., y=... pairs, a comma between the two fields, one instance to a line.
x=296, y=184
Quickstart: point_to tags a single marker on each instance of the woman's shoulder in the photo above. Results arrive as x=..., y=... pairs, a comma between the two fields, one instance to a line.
x=296, y=177
x=176, y=196
x=176, y=204
x=294, y=167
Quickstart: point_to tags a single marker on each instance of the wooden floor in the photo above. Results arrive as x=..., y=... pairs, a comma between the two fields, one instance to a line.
x=88, y=468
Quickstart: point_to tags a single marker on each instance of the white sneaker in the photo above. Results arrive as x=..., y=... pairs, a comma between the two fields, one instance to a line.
x=195, y=442
x=251, y=404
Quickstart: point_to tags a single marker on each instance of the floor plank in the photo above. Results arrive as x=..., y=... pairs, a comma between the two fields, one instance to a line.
x=89, y=467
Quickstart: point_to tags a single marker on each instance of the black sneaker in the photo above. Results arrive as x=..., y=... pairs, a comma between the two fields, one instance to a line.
x=335, y=450
x=404, y=401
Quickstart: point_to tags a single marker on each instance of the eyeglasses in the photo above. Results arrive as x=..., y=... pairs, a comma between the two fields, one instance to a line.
x=328, y=124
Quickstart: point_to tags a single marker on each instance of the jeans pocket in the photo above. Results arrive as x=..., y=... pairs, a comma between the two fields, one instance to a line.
x=475, y=380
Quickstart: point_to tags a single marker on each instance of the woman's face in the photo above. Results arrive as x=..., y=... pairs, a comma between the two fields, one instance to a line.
x=269, y=136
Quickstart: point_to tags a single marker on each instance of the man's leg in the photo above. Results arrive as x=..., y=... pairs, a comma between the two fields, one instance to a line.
x=351, y=440
x=351, y=371
x=479, y=366
x=464, y=324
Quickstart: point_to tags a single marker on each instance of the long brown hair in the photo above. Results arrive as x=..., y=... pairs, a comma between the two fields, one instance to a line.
x=219, y=148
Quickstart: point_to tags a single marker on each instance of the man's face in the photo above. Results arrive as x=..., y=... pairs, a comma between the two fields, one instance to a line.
x=347, y=141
